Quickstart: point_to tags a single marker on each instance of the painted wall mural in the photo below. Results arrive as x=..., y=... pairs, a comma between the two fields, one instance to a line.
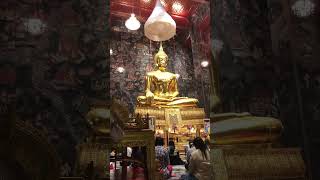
x=201, y=51
x=57, y=61
x=295, y=43
x=245, y=58
x=268, y=66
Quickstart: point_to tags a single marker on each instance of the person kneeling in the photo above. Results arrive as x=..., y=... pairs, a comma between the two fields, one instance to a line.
x=199, y=163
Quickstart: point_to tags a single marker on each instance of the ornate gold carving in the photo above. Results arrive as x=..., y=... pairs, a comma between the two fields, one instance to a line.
x=192, y=113
x=138, y=122
x=141, y=138
x=235, y=128
x=97, y=153
x=188, y=116
x=258, y=163
x=219, y=169
x=158, y=113
x=173, y=117
x=31, y=149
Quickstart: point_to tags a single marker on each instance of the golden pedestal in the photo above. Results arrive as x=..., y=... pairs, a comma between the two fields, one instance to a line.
x=257, y=162
x=243, y=148
x=174, y=122
x=141, y=138
x=96, y=153
x=243, y=128
x=170, y=116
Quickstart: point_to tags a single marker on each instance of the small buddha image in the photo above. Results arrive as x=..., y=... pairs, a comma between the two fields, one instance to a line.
x=162, y=88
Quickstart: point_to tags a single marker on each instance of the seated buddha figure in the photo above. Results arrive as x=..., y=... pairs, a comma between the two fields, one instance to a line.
x=162, y=88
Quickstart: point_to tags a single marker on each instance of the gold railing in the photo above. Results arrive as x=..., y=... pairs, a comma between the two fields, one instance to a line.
x=137, y=122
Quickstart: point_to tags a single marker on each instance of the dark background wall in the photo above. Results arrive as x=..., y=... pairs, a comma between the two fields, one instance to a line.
x=54, y=76
x=269, y=66
x=245, y=60
x=296, y=45
x=55, y=73
x=201, y=51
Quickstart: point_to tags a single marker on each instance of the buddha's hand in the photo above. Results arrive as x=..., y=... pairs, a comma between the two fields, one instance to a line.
x=149, y=96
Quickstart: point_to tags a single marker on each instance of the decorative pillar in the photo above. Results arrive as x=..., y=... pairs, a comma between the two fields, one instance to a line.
x=166, y=137
x=124, y=164
x=198, y=127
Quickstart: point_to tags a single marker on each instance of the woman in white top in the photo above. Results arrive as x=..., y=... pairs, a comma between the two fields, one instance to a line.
x=199, y=164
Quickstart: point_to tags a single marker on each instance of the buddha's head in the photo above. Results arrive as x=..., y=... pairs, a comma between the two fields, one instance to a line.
x=161, y=59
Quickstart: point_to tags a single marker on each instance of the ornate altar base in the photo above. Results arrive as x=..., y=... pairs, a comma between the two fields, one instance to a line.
x=245, y=147
x=176, y=123
x=98, y=153
x=236, y=163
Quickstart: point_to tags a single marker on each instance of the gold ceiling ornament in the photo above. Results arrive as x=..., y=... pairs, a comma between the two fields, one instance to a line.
x=159, y=26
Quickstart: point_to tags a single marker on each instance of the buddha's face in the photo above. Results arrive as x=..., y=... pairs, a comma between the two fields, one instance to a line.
x=162, y=61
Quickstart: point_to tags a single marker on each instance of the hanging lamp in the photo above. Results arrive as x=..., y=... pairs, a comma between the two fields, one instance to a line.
x=132, y=23
x=159, y=26
x=303, y=8
x=35, y=25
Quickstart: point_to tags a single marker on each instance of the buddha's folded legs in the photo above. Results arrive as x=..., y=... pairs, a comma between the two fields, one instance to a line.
x=183, y=101
x=177, y=101
x=155, y=99
x=142, y=100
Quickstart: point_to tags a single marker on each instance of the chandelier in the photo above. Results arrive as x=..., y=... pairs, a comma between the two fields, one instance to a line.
x=132, y=23
x=159, y=26
x=303, y=8
x=34, y=26
x=120, y=69
x=204, y=63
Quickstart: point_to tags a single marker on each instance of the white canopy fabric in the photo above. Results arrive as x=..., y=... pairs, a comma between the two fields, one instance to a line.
x=160, y=26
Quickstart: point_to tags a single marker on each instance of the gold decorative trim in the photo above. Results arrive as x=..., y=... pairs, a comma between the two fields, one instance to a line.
x=98, y=153
x=257, y=163
x=32, y=150
x=188, y=116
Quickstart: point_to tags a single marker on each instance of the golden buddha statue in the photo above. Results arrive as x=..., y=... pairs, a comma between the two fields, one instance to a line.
x=162, y=88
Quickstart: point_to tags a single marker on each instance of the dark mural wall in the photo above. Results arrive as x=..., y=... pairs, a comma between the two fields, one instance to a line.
x=242, y=50
x=54, y=66
x=296, y=43
x=268, y=66
x=134, y=52
x=201, y=51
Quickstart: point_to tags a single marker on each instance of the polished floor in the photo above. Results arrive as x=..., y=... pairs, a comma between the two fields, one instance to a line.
x=132, y=173
x=138, y=173
x=177, y=172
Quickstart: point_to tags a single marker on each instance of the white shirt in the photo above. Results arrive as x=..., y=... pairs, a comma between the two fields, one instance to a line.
x=200, y=166
x=129, y=151
x=189, y=152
